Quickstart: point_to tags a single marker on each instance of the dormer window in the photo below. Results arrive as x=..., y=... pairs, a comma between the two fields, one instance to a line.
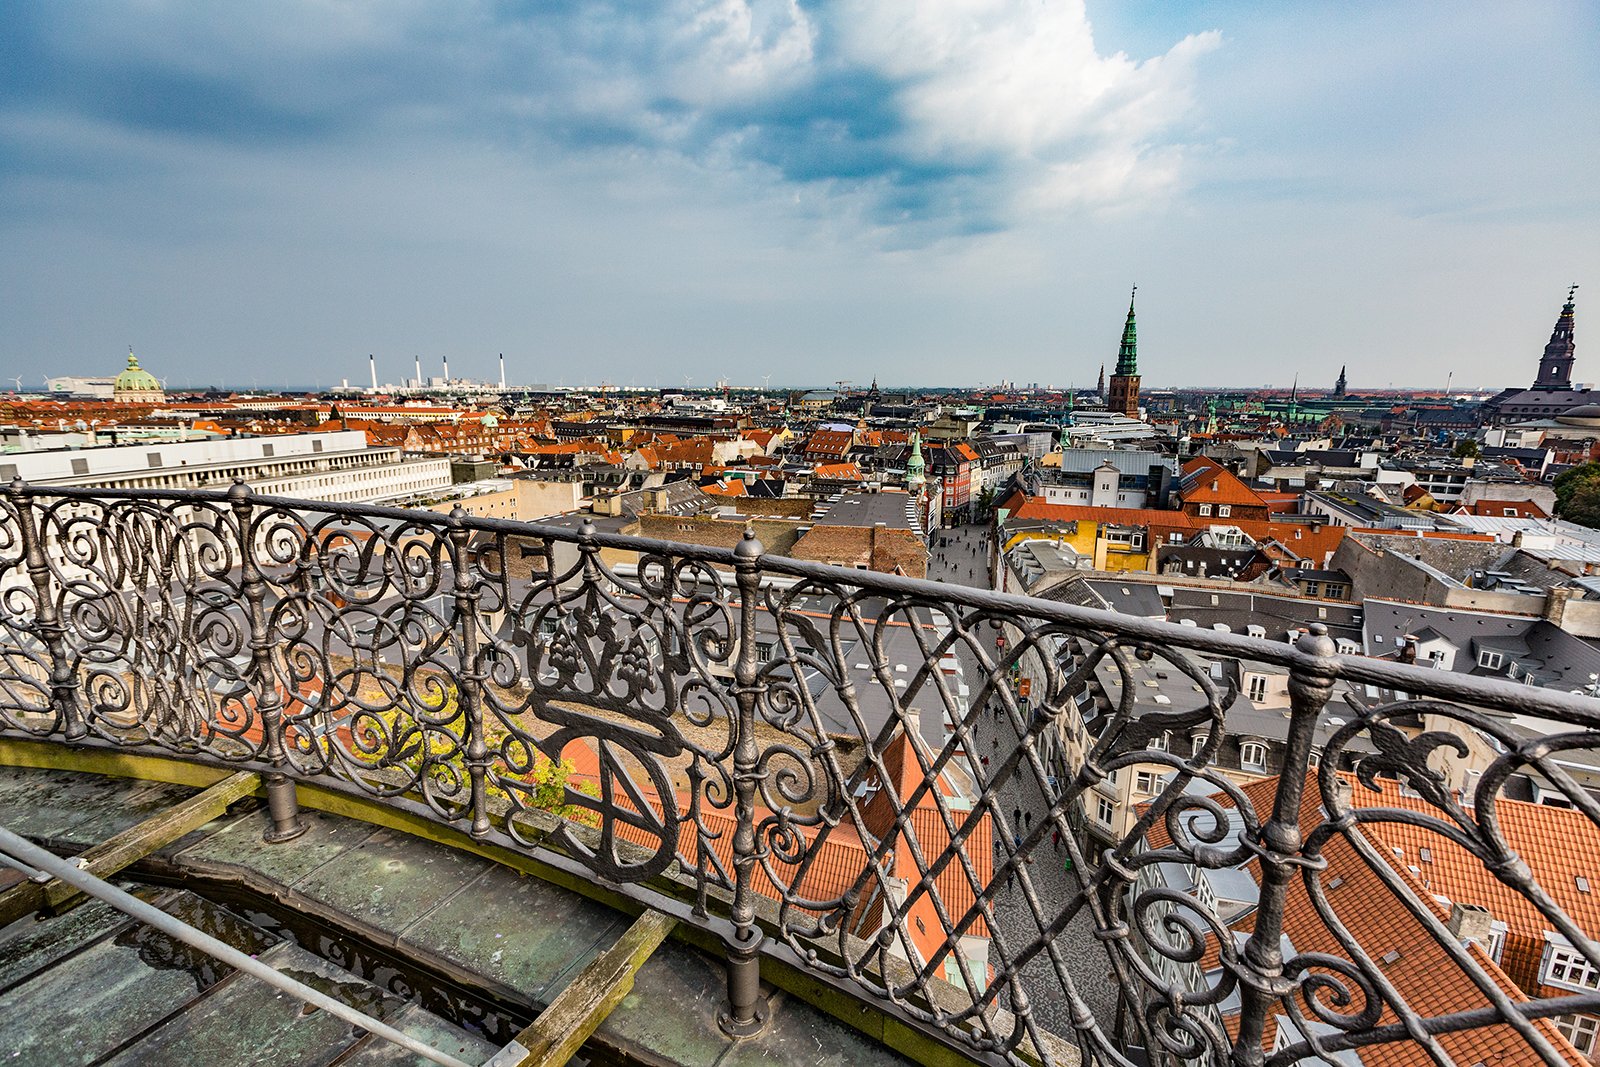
x=1490, y=660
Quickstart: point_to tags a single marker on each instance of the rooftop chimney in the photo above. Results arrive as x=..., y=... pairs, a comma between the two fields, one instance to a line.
x=1408, y=649
x=1555, y=603
x=372, y=365
x=502, y=371
x=1471, y=922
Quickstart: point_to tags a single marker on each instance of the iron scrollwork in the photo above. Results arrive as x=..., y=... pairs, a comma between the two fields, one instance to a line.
x=810, y=758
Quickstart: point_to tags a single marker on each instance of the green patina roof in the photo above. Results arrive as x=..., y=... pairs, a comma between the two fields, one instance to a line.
x=1128, y=353
x=135, y=378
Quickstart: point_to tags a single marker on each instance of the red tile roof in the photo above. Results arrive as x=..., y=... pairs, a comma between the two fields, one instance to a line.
x=1362, y=899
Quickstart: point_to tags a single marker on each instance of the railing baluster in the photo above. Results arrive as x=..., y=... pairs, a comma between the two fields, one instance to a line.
x=64, y=682
x=283, y=806
x=746, y=1014
x=470, y=673
x=1261, y=979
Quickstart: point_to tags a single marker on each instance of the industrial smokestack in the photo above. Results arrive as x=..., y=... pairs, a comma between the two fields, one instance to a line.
x=372, y=365
x=502, y=371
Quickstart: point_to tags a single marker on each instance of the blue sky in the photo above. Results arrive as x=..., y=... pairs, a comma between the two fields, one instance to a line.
x=950, y=193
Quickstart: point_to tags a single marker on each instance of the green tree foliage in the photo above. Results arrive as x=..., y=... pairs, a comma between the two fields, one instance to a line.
x=1578, y=495
x=1467, y=449
x=548, y=778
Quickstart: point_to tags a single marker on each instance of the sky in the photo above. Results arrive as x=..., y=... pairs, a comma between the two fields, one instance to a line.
x=797, y=191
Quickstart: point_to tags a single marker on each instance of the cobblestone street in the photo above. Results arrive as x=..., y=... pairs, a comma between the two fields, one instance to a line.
x=961, y=556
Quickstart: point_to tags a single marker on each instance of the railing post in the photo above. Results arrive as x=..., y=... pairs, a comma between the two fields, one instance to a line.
x=476, y=750
x=746, y=1013
x=64, y=681
x=283, y=806
x=1277, y=843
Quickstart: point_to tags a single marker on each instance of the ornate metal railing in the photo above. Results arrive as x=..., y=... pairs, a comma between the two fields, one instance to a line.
x=851, y=772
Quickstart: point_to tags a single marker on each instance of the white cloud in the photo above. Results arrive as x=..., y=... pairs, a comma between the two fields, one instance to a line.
x=732, y=50
x=1021, y=84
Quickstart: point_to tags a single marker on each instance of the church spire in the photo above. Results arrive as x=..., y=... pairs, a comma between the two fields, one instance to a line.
x=1341, y=385
x=1128, y=352
x=915, y=465
x=1555, y=366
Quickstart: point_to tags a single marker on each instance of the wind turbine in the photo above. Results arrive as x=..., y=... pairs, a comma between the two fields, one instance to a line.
x=19, y=384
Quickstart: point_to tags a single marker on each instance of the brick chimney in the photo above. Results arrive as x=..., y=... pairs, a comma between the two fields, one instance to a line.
x=1555, y=604
x=1408, y=648
x=1471, y=922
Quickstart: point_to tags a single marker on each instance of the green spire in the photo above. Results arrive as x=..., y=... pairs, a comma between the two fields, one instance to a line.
x=1128, y=354
x=915, y=467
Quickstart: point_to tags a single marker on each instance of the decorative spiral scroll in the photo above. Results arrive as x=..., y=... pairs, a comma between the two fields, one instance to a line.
x=707, y=723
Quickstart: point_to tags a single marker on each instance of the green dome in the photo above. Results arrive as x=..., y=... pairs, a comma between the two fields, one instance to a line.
x=135, y=379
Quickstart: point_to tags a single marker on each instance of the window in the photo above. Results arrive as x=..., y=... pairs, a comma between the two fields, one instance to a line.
x=1205, y=509
x=1566, y=967
x=1103, y=811
x=1437, y=657
x=1490, y=660
x=1258, y=688
x=1158, y=742
x=1196, y=743
x=1253, y=756
x=1578, y=1029
x=1223, y=511
x=1313, y=589
x=1147, y=783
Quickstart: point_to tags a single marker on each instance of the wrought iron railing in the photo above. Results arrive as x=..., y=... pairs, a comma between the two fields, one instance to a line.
x=851, y=772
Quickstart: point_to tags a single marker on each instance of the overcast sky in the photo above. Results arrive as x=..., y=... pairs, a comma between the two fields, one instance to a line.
x=950, y=192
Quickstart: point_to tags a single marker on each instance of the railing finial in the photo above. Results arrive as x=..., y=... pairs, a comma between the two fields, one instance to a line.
x=749, y=547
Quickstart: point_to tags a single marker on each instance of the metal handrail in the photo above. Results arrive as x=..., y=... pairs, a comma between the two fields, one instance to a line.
x=1383, y=673
x=23, y=850
x=743, y=752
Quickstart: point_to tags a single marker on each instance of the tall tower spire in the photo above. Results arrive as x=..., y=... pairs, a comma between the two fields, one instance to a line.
x=915, y=466
x=1124, y=395
x=1341, y=385
x=1555, y=366
x=1128, y=351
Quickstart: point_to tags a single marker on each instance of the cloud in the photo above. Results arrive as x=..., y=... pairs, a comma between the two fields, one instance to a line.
x=958, y=117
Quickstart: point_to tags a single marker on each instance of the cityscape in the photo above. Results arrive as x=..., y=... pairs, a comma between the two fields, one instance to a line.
x=684, y=686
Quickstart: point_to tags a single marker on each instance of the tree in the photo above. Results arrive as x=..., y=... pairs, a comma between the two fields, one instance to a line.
x=1467, y=449
x=407, y=739
x=1578, y=495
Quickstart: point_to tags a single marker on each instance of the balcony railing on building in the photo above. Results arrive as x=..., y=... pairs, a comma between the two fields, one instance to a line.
x=1033, y=832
